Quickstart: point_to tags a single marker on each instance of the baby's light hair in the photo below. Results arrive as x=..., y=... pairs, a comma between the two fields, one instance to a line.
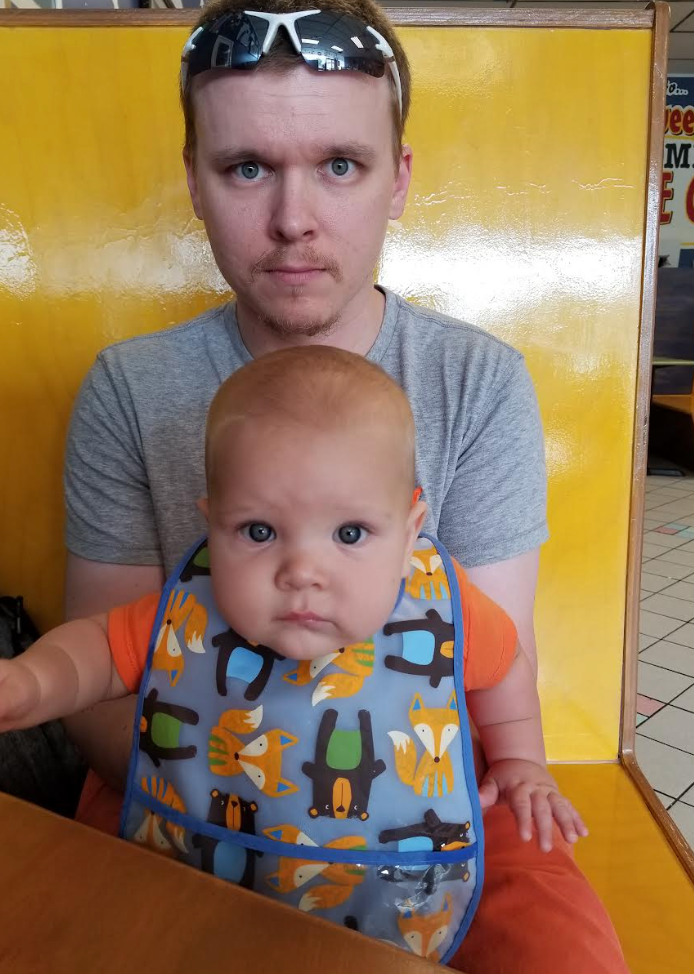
x=316, y=387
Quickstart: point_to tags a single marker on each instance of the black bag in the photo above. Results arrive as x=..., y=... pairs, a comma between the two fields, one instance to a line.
x=38, y=764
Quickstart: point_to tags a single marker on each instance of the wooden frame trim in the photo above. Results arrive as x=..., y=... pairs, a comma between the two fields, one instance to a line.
x=678, y=842
x=643, y=383
x=640, y=450
x=599, y=19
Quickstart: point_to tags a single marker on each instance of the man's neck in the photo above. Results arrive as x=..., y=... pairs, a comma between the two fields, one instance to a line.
x=355, y=330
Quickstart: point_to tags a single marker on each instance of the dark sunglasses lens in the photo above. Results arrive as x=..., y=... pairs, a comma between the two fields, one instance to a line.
x=233, y=41
x=337, y=42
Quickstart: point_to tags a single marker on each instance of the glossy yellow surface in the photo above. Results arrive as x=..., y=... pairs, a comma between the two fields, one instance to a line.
x=632, y=869
x=526, y=218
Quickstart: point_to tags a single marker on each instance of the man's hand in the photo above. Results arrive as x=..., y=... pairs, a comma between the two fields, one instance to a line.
x=20, y=694
x=532, y=795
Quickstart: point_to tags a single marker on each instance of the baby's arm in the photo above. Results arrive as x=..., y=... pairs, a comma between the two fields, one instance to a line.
x=510, y=726
x=68, y=669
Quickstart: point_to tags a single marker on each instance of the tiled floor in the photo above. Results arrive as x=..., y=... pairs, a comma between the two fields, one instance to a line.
x=665, y=722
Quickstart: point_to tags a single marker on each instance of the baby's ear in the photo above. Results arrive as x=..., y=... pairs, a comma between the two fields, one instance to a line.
x=415, y=520
x=203, y=505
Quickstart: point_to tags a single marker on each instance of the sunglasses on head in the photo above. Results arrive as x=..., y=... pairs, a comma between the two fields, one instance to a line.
x=325, y=39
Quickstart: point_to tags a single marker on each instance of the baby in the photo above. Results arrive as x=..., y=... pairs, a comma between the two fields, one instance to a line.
x=330, y=657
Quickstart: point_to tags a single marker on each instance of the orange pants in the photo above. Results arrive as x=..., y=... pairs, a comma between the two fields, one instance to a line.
x=537, y=915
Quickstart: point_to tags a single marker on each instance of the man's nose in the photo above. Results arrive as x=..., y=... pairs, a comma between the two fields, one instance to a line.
x=299, y=570
x=293, y=216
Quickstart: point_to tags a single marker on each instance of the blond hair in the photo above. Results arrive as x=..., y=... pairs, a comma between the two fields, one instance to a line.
x=317, y=387
x=283, y=55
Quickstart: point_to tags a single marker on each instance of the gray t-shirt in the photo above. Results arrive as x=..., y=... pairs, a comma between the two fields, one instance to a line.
x=134, y=466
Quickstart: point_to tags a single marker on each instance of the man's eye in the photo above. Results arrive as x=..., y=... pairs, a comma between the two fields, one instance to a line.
x=258, y=532
x=350, y=533
x=341, y=167
x=248, y=170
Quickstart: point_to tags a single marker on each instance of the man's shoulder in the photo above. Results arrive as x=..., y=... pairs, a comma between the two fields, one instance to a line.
x=436, y=330
x=202, y=331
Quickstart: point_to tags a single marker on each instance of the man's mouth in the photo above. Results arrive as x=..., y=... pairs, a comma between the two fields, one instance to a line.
x=295, y=276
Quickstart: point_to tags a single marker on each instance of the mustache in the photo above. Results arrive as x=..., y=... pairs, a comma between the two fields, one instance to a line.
x=306, y=257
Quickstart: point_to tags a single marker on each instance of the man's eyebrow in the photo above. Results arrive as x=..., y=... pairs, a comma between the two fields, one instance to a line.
x=229, y=155
x=349, y=150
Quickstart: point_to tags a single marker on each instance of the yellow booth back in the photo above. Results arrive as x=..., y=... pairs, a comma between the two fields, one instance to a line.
x=526, y=216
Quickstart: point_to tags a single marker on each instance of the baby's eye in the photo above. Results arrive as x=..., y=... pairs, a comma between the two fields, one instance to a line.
x=350, y=533
x=258, y=532
x=341, y=167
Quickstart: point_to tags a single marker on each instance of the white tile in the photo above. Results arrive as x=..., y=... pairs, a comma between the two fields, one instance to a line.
x=683, y=817
x=667, y=769
x=660, y=480
x=654, y=583
x=689, y=546
x=664, y=540
x=646, y=641
x=651, y=624
x=660, y=684
x=665, y=800
x=685, y=700
x=677, y=508
x=653, y=550
x=684, y=636
x=650, y=502
x=651, y=523
x=679, y=659
x=663, y=605
x=667, y=493
x=680, y=590
x=671, y=726
x=688, y=796
x=687, y=519
x=665, y=566
x=684, y=484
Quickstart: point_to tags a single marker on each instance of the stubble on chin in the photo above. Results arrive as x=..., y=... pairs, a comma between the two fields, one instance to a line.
x=287, y=326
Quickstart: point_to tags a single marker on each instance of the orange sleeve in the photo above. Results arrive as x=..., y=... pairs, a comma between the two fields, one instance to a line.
x=129, y=631
x=490, y=636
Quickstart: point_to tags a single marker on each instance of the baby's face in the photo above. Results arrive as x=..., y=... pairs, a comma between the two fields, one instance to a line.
x=310, y=534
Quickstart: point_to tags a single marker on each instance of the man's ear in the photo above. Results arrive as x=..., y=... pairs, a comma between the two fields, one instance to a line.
x=203, y=505
x=415, y=520
x=192, y=180
x=402, y=184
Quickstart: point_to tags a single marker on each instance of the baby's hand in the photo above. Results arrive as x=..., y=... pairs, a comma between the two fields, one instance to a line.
x=20, y=693
x=532, y=795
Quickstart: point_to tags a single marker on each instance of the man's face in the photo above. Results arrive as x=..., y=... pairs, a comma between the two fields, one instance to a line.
x=295, y=180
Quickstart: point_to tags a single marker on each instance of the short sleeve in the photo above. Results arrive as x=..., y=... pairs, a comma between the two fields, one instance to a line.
x=495, y=507
x=129, y=631
x=110, y=515
x=490, y=637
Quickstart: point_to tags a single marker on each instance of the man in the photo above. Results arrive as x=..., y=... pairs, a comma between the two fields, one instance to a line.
x=296, y=173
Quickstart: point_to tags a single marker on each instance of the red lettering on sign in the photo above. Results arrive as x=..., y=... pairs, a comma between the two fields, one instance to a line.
x=688, y=122
x=676, y=121
x=689, y=202
x=667, y=192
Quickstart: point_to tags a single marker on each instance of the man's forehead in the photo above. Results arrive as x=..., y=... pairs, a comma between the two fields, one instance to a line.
x=233, y=107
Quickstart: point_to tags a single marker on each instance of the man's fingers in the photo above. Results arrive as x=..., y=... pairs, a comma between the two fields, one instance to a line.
x=542, y=815
x=519, y=803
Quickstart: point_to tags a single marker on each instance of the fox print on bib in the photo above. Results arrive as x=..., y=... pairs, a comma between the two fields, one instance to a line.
x=343, y=785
